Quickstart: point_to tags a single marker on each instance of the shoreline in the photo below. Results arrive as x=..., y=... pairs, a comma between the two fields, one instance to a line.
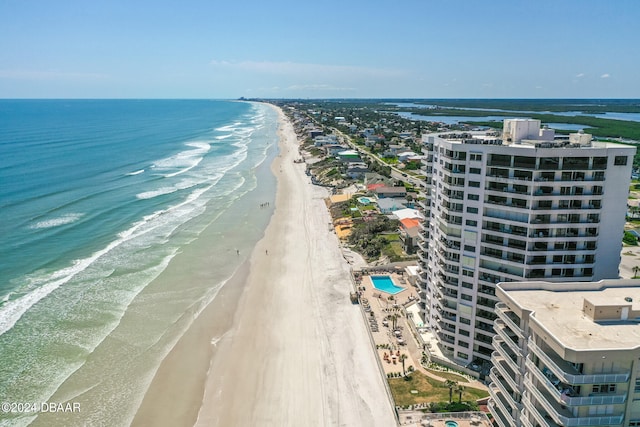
x=295, y=351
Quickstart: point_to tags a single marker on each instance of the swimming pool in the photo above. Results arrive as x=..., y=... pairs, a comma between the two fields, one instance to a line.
x=385, y=284
x=450, y=423
x=365, y=200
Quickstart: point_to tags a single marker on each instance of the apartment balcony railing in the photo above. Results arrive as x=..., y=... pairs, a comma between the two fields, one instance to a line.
x=562, y=393
x=564, y=416
x=496, y=394
x=505, y=371
x=515, y=258
x=506, y=216
x=422, y=256
x=496, y=378
x=511, y=359
x=524, y=421
x=486, y=290
x=542, y=418
x=502, y=331
x=499, y=418
x=504, y=388
x=576, y=378
x=501, y=311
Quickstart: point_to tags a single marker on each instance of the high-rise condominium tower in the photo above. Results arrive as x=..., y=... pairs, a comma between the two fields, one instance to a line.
x=521, y=205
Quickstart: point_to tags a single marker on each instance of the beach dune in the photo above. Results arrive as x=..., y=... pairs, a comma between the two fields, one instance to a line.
x=297, y=351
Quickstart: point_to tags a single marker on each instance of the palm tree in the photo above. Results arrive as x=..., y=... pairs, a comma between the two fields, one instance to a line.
x=459, y=389
x=636, y=269
x=403, y=357
x=451, y=385
x=394, y=321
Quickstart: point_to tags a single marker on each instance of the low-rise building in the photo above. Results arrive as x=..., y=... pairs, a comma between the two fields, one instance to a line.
x=349, y=156
x=357, y=170
x=384, y=192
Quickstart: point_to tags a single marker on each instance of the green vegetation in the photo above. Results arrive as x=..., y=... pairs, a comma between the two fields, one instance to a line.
x=412, y=166
x=393, y=250
x=555, y=105
x=433, y=391
x=382, y=170
x=629, y=239
x=366, y=236
x=390, y=160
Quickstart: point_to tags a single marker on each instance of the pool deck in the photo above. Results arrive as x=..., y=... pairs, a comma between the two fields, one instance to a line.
x=377, y=306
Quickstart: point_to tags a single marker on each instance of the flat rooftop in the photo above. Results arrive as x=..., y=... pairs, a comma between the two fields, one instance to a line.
x=560, y=312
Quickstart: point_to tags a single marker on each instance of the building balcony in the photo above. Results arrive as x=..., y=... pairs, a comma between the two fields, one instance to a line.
x=565, y=372
x=506, y=257
x=524, y=421
x=502, y=311
x=511, y=359
x=499, y=382
x=486, y=290
x=563, y=416
x=498, y=416
x=513, y=342
x=503, y=408
x=564, y=395
x=541, y=416
x=506, y=215
x=500, y=364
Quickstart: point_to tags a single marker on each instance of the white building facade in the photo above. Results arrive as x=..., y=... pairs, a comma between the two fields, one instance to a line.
x=530, y=207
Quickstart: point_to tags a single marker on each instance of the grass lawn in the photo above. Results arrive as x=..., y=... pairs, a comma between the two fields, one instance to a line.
x=367, y=208
x=429, y=390
x=393, y=250
x=395, y=237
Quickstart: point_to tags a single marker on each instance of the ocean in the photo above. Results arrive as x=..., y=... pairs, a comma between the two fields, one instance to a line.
x=101, y=199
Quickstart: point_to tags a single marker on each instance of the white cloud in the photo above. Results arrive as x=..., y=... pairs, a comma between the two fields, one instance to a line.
x=605, y=76
x=580, y=75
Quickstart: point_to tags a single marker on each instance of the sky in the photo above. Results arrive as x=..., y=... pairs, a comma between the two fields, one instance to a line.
x=319, y=49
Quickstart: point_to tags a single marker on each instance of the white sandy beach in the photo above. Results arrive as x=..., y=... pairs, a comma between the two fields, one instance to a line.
x=297, y=351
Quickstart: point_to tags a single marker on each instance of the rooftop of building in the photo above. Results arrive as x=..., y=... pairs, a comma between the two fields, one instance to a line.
x=561, y=309
x=535, y=136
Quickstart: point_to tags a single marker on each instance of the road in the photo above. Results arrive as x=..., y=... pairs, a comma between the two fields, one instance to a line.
x=396, y=173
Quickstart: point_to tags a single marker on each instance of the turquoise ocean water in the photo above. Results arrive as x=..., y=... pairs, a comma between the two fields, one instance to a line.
x=97, y=197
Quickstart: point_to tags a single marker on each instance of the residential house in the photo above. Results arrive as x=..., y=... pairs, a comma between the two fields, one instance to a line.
x=393, y=150
x=334, y=149
x=322, y=140
x=349, y=156
x=357, y=170
x=397, y=192
x=390, y=204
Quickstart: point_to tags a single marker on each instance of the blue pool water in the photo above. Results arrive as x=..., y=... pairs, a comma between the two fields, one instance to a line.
x=385, y=284
x=365, y=200
x=450, y=423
